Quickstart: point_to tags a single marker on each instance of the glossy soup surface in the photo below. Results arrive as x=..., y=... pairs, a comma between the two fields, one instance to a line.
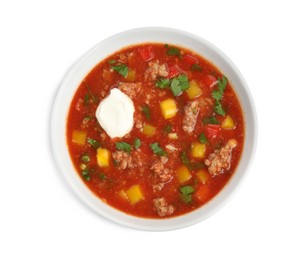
x=186, y=140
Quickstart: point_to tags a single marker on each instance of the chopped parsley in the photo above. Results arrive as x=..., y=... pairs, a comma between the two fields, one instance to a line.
x=157, y=149
x=210, y=120
x=85, y=158
x=86, y=174
x=179, y=84
x=122, y=146
x=94, y=143
x=196, y=67
x=121, y=69
x=111, y=62
x=202, y=138
x=172, y=51
x=146, y=111
x=167, y=129
x=163, y=83
x=89, y=96
x=190, y=165
x=217, y=94
x=186, y=193
x=137, y=143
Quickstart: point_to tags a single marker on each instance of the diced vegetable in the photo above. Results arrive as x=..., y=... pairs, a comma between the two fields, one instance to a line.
x=202, y=193
x=148, y=129
x=86, y=174
x=134, y=194
x=168, y=108
x=183, y=174
x=82, y=166
x=203, y=176
x=212, y=131
x=198, y=150
x=147, y=53
x=173, y=136
x=173, y=72
x=137, y=143
x=103, y=157
x=78, y=137
x=131, y=76
x=94, y=143
x=85, y=158
x=228, y=123
x=194, y=90
x=190, y=59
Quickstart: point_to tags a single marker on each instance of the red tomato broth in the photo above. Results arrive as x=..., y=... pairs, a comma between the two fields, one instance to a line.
x=107, y=183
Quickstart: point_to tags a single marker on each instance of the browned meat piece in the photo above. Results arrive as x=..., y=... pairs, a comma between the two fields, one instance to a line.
x=130, y=89
x=162, y=207
x=220, y=160
x=158, y=167
x=156, y=69
x=125, y=160
x=191, y=111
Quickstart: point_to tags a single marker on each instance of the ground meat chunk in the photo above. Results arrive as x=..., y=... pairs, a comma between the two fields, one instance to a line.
x=156, y=69
x=220, y=160
x=130, y=89
x=191, y=111
x=125, y=160
x=162, y=173
x=162, y=207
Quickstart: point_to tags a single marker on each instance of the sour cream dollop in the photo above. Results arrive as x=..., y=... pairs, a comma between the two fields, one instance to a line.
x=115, y=114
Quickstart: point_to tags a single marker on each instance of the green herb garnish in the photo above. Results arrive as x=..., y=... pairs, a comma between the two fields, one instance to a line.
x=163, y=83
x=137, y=143
x=94, y=143
x=89, y=96
x=186, y=193
x=196, y=67
x=122, y=146
x=217, y=94
x=86, y=174
x=157, y=149
x=146, y=111
x=190, y=165
x=202, y=138
x=173, y=51
x=219, y=109
x=210, y=120
x=85, y=158
x=111, y=62
x=167, y=129
x=179, y=84
x=102, y=176
x=121, y=69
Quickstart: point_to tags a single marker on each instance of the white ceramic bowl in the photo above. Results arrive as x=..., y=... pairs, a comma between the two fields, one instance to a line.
x=85, y=64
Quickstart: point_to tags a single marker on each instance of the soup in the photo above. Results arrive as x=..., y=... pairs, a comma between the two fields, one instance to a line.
x=155, y=130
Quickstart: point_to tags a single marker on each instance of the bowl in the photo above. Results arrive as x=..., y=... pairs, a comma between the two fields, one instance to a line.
x=83, y=66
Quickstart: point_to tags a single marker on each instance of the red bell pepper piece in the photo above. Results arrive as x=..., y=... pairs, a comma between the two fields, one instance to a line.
x=190, y=59
x=173, y=72
x=147, y=53
x=212, y=131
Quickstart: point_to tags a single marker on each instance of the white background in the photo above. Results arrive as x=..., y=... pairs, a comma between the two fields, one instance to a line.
x=40, y=218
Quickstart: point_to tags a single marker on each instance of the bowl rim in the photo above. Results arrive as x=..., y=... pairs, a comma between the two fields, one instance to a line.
x=82, y=67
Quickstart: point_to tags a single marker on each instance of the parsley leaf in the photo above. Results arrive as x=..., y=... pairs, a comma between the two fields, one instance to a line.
x=186, y=193
x=202, y=138
x=179, y=84
x=137, y=143
x=196, y=67
x=85, y=158
x=146, y=111
x=121, y=69
x=190, y=165
x=111, y=62
x=163, y=83
x=173, y=51
x=94, y=143
x=86, y=174
x=157, y=149
x=219, y=109
x=210, y=120
x=122, y=146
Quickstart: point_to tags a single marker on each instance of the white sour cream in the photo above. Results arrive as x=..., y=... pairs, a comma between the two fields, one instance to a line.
x=115, y=114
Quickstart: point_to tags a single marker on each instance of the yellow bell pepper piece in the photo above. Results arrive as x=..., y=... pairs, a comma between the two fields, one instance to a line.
x=194, y=90
x=103, y=157
x=148, y=129
x=228, y=123
x=203, y=176
x=131, y=76
x=134, y=194
x=198, y=150
x=78, y=137
x=183, y=174
x=168, y=108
